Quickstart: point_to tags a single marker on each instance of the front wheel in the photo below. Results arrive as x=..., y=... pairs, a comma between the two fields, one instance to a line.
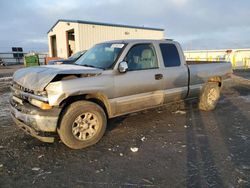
x=83, y=124
x=209, y=97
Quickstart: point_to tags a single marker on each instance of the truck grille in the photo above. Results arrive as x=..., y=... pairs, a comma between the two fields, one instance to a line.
x=21, y=88
x=25, y=93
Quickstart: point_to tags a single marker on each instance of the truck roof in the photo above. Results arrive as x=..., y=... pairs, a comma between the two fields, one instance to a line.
x=138, y=40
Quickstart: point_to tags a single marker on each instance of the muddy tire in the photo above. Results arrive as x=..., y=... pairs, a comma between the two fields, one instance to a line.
x=83, y=124
x=209, y=97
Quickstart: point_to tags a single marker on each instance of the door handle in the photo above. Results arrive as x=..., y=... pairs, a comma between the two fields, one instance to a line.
x=158, y=76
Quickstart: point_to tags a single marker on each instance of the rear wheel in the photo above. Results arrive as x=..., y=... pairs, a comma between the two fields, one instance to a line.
x=209, y=97
x=83, y=124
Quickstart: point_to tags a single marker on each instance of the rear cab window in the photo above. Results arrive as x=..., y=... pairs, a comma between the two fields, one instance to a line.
x=170, y=55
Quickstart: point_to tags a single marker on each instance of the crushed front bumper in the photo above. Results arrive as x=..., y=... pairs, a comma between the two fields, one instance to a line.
x=38, y=123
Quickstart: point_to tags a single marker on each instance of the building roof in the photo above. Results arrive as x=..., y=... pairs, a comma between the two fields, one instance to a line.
x=104, y=24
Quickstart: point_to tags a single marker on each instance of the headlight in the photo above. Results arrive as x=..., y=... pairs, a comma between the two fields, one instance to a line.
x=40, y=104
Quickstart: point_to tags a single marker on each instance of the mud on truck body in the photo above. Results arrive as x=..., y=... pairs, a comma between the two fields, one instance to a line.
x=112, y=79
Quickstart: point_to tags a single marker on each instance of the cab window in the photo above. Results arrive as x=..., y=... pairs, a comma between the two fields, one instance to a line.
x=170, y=55
x=141, y=57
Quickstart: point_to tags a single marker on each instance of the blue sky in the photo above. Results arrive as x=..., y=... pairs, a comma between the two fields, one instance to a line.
x=196, y=24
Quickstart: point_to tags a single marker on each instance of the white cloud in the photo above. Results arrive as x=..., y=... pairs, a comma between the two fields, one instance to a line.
x=42, y=40
x=180, y=3
x=205, y=24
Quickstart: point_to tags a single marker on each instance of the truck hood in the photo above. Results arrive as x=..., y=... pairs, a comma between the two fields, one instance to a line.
x=37, y=78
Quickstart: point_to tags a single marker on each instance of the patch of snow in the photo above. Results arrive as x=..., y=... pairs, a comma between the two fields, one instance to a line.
x=4, y=102
x=35, y=169
x=98, y=171
x=240, y=180
x=134, y=149
x=147, y=181
x=246, y=98
x=180, y=112
x=245, y=167
x=143, y=139
x=40, y=156
x=5, y=79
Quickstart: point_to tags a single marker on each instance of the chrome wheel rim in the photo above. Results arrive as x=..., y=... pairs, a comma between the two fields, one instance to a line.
x=85, y=126
x=212, y=96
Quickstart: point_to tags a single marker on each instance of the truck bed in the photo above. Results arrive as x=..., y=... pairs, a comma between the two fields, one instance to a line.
x=201, y=72
x=204, y=62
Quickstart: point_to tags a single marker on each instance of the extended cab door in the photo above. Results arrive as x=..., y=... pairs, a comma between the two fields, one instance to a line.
x=141, y=86
x=175, y=72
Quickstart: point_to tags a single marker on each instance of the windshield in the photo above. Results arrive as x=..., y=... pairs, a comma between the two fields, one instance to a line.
x=101, y=55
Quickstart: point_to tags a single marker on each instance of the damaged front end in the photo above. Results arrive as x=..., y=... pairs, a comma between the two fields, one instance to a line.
x=31, y=104
x=32, y=113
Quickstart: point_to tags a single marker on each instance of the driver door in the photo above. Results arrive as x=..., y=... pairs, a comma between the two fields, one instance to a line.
x=141, y=86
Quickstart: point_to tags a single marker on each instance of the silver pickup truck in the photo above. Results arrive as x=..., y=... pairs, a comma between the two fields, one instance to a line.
x=112, y=79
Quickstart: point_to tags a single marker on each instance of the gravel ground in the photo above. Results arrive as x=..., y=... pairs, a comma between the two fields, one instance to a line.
x=7, y=71
x=176, y=148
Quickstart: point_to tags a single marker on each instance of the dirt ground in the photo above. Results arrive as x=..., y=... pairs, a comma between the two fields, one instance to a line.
x=185, y=148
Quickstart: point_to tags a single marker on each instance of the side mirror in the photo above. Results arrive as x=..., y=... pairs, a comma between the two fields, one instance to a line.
x=123, y=67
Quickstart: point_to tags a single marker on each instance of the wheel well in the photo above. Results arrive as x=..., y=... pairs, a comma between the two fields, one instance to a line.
x=64, y=104
x=216, y=79
x=100, y=103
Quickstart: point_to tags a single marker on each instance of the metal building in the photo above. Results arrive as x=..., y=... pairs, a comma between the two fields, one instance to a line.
x=69, y=36
x=240, y=58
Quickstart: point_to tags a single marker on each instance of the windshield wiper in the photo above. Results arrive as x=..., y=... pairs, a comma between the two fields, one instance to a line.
x=86, y=65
